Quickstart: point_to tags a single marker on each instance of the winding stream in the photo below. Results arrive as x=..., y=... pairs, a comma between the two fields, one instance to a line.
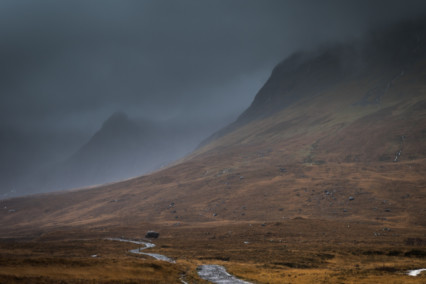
x=139, y=250
x=213, y=273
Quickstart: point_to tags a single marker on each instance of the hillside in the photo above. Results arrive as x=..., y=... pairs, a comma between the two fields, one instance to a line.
x=322, y=139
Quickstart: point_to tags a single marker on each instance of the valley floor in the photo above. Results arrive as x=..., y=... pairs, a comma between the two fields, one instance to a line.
x=292, y=251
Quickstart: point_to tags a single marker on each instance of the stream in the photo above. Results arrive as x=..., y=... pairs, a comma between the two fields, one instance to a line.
x=218, y=274
x=139, y=250
x=213, y=273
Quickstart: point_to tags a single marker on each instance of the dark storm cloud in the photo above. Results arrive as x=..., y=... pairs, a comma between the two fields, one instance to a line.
x=78, y=61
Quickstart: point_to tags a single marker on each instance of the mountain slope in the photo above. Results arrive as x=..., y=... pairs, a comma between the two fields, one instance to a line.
x=328, y=136
x=382, y=56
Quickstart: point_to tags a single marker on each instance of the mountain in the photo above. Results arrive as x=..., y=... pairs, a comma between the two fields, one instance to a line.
x=335, y=134
x=120, y=149
x=384, y=55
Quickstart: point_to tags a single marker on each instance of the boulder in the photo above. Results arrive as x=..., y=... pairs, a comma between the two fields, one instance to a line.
x=152, y=235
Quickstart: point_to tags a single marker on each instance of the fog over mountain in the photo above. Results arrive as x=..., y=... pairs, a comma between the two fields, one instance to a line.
x=175, y=71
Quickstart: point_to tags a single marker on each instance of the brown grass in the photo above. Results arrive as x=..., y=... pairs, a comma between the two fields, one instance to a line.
x=288, y=252
x=282, y=184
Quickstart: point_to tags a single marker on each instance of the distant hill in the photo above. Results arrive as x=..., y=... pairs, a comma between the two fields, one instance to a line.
x=122, y=148
x=335, y=134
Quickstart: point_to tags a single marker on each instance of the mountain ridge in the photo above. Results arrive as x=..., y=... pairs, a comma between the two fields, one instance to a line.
x=393, y=49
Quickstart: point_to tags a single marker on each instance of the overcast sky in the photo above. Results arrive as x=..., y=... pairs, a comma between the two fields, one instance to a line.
x=70, y=64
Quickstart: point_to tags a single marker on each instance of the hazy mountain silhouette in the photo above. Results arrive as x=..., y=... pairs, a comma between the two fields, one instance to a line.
x=120, y=149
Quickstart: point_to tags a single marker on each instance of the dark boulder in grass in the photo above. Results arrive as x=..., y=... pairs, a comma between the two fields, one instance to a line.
x=152, y=235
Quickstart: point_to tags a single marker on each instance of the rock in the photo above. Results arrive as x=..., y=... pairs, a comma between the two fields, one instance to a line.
x=283, y=170
x=152, y=235
x=351, y=198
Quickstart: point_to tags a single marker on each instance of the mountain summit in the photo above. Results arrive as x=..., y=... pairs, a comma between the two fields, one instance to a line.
x=383, y=54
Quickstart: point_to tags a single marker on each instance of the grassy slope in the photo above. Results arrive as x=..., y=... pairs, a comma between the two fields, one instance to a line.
x=281, y=183
x=331, y=149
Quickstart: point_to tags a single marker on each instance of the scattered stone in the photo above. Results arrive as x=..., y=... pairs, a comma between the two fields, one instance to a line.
x=283, y=170
x=152, y=235
x=387, y=210
x=351, y=198
x=241, y=177
x=214, y=214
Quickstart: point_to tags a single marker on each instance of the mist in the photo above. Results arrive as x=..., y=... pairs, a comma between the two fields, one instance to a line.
x=177, y=70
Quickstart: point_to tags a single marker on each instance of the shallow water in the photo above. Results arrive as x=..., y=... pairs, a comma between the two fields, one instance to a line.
x=218, y=274
x=416, y=272
x=139, y=250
